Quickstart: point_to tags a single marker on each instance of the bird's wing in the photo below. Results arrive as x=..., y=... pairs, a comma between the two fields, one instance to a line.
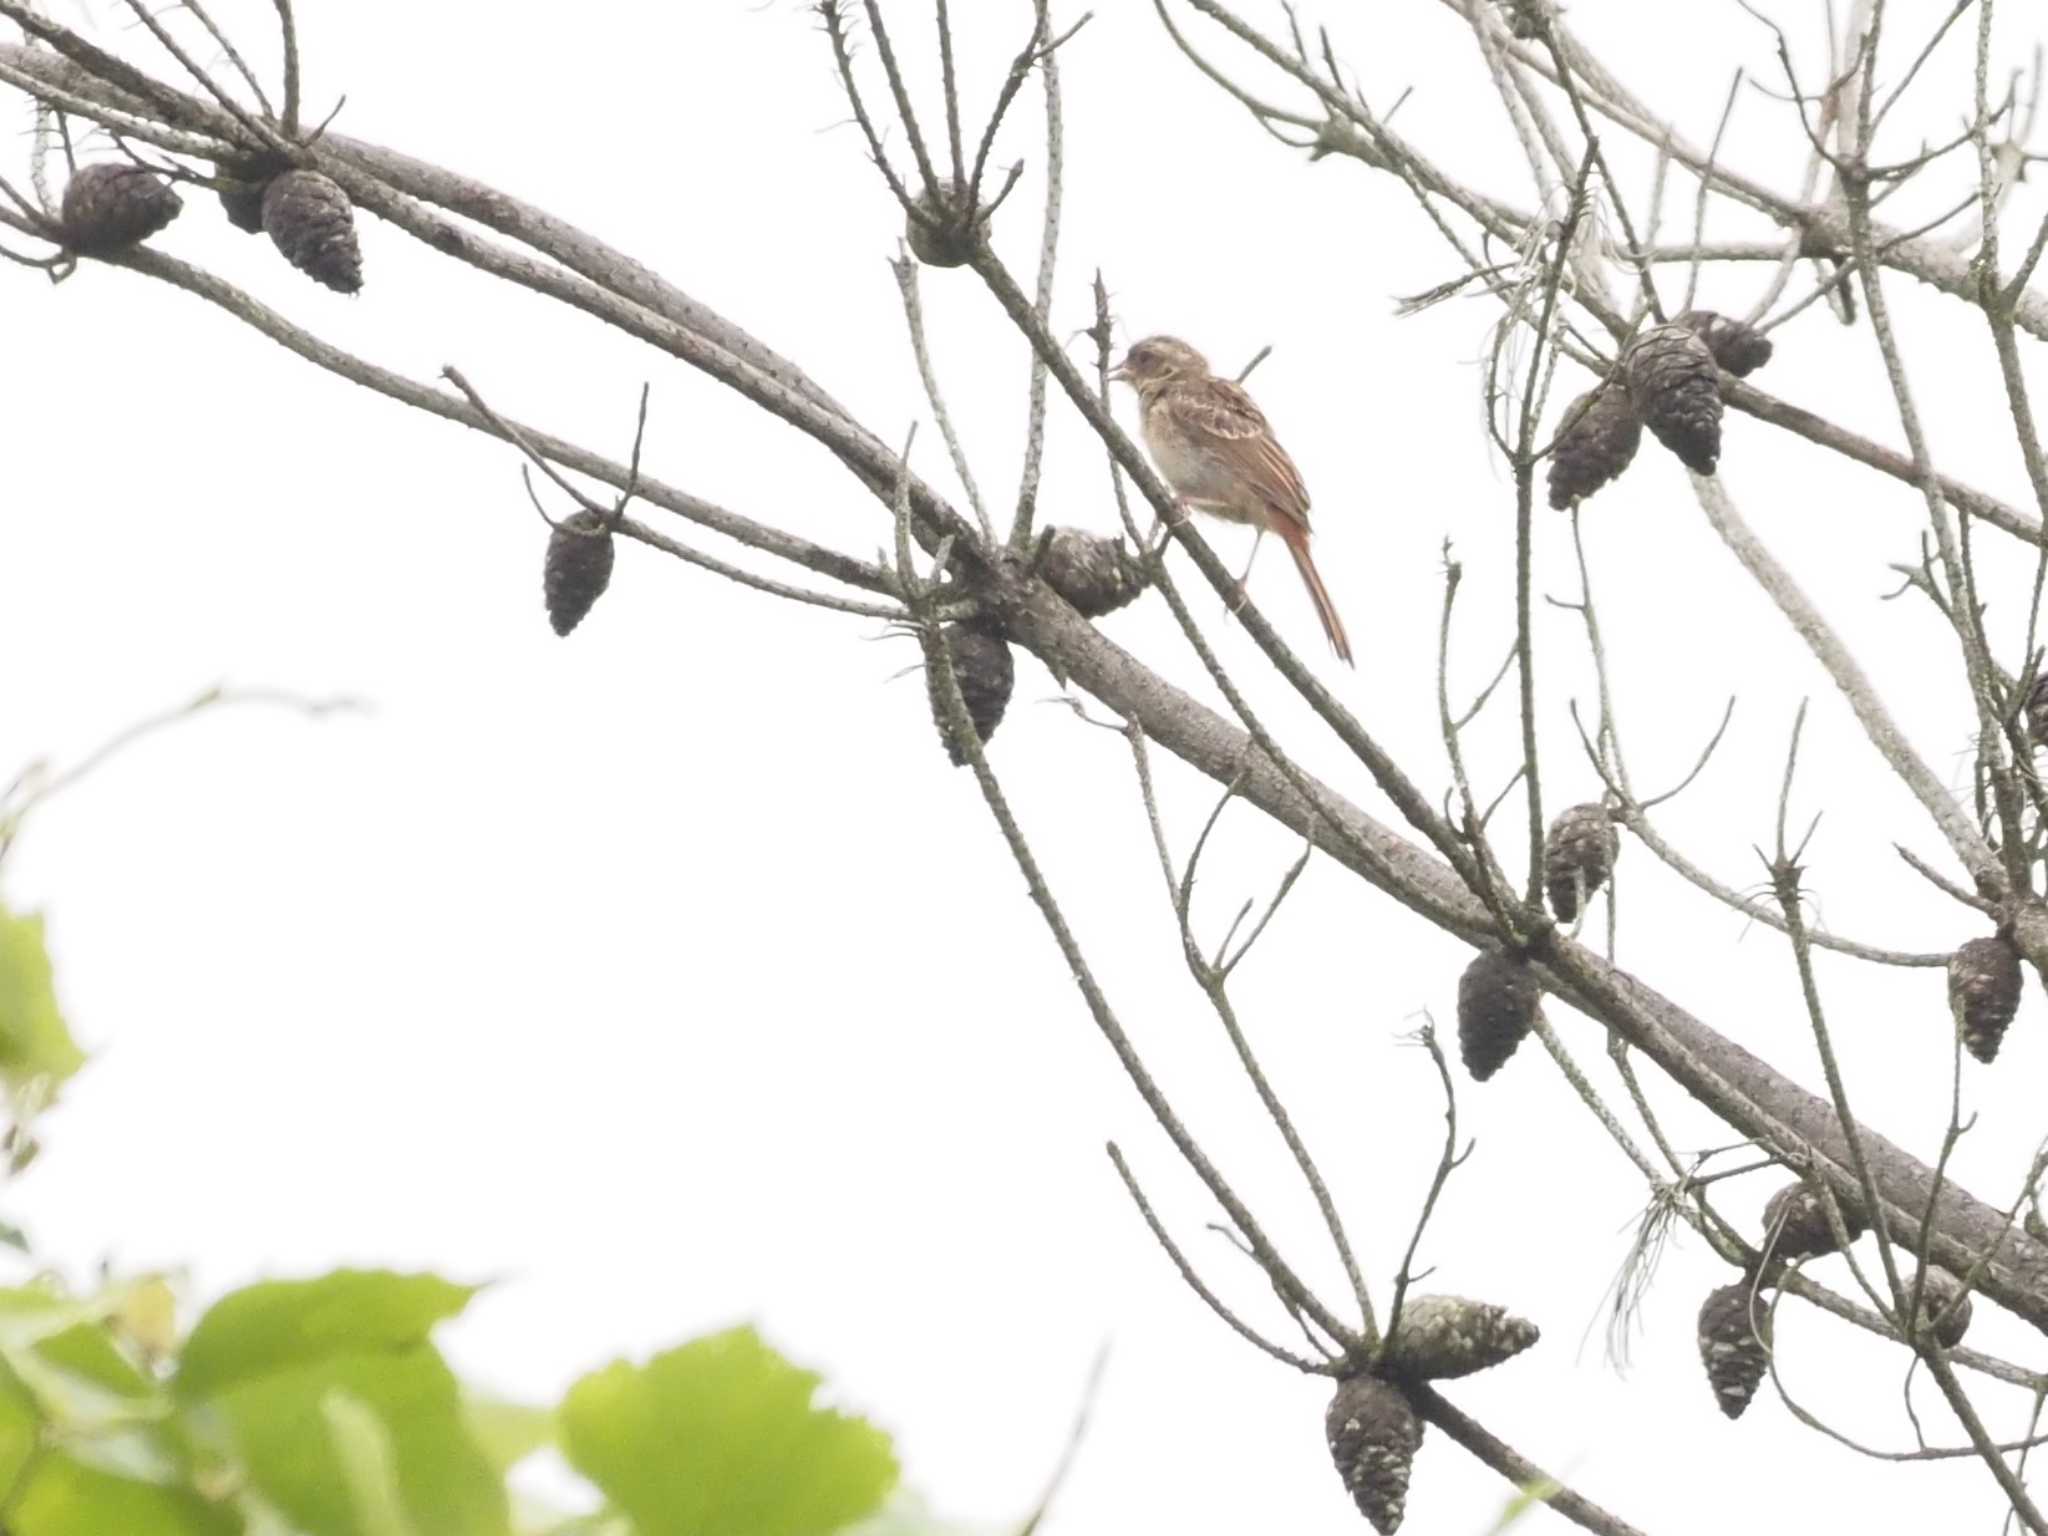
x=1220, y=418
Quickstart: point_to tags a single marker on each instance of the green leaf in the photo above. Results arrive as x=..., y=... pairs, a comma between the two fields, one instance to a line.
x=719, y=1438
x=369, y=1465
x=64, y=1497
x=344, y=1416
x=282, y=1428
x=285, y=1323
x=34, y=1042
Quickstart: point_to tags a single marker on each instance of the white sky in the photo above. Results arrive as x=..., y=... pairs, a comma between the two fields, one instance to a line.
x=670, y=975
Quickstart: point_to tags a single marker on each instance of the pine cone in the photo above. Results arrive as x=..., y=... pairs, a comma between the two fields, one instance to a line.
x=240, y=185
x=578, y=568
x=951, y=242
x=1800, y=1218
x=1734, y=1348
x=1984, y=993
x=1676, y=387
x=1944, y=1307
x=1739, y=349
x=1374, y=1434
x=1096, y=575
x=986, y=674
x=2037, y=711
x=1596, y=446
x=1443, y=1336
x=1578, y=856
x=312, y=222
x=1497, y=998
x=112, y=205
x=1526, y=19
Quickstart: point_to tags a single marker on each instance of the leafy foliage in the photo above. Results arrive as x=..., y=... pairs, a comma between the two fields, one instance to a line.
x=719, y=1438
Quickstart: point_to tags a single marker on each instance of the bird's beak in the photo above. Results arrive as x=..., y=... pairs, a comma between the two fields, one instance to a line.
x=1121, y=373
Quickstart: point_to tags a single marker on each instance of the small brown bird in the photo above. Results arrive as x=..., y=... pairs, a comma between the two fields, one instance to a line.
x=1217, y=450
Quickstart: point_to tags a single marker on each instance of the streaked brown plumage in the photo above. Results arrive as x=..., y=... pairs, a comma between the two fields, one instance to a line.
x=1217, y=450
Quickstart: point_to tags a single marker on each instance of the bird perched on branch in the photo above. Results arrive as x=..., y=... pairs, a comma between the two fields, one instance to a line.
x=1217, y=450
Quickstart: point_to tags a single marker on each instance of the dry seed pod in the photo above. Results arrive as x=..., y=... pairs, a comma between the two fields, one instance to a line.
x=1676, y=387
x=1984, y=993
x=1374, y=1434
x=311, y=221
x=1497, y=999
x=985, y=673
x=1596, y=447
x=1735, y=1344
x=1096, y=575
x=578, y=568
x=1740, y=349
x=240, y=185
x=1443, y=1336
x=111, y=205
x=951, y=241
x=1800, y=1219
x=1944, y=1307
x=1578, y=856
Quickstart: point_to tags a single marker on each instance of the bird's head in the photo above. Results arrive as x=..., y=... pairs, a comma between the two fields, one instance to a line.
x=1157, y=361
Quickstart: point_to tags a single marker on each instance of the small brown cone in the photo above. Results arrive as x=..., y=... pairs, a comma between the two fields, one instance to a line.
x=1578, y=856
x=1984, y=993
x=1597, y=444
x=1676, y=387
x=1445, y=1336
x=1095, y=574
x=951, y=242
x=1800, y=1219
x=1497, y=998
x=1374, y=1434
x=112, y=205
x=1735, y=1343
x=1739, y=349
x=1944, y=1306
x=312, y=222
x=240, y=185
x=578, y=568
x=985, y=672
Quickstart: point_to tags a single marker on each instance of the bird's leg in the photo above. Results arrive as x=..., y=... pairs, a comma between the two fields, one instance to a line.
x=1243, y=590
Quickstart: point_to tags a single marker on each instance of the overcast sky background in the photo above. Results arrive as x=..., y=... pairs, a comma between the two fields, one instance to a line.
x=669, y=975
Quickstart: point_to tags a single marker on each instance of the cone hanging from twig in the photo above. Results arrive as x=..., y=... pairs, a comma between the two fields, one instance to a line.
x=1740, y=349
x=1095, y=574
x=1735, y=1344
x=1578, y=855
x=312, y=222
x=983, y=668
x=1497, y=998
x=112, y=205
x=1445, y=1336
x=1984, y=993
x=578, y=568
x=948, y=238
x=1676, y=387
x=1601, y=434
x=1374, y=1434
x=1944, y=1306
x=240, y=185
x=1800, y=1219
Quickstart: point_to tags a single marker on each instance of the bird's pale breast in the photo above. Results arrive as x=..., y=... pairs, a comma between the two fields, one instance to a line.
x=1199, y=475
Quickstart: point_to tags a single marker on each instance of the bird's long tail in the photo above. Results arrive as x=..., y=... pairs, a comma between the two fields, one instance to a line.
x=1296, y=540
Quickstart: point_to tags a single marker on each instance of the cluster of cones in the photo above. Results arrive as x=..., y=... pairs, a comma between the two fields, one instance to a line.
x=1735, y=1319
x=1669, y=380
x=113, y=206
